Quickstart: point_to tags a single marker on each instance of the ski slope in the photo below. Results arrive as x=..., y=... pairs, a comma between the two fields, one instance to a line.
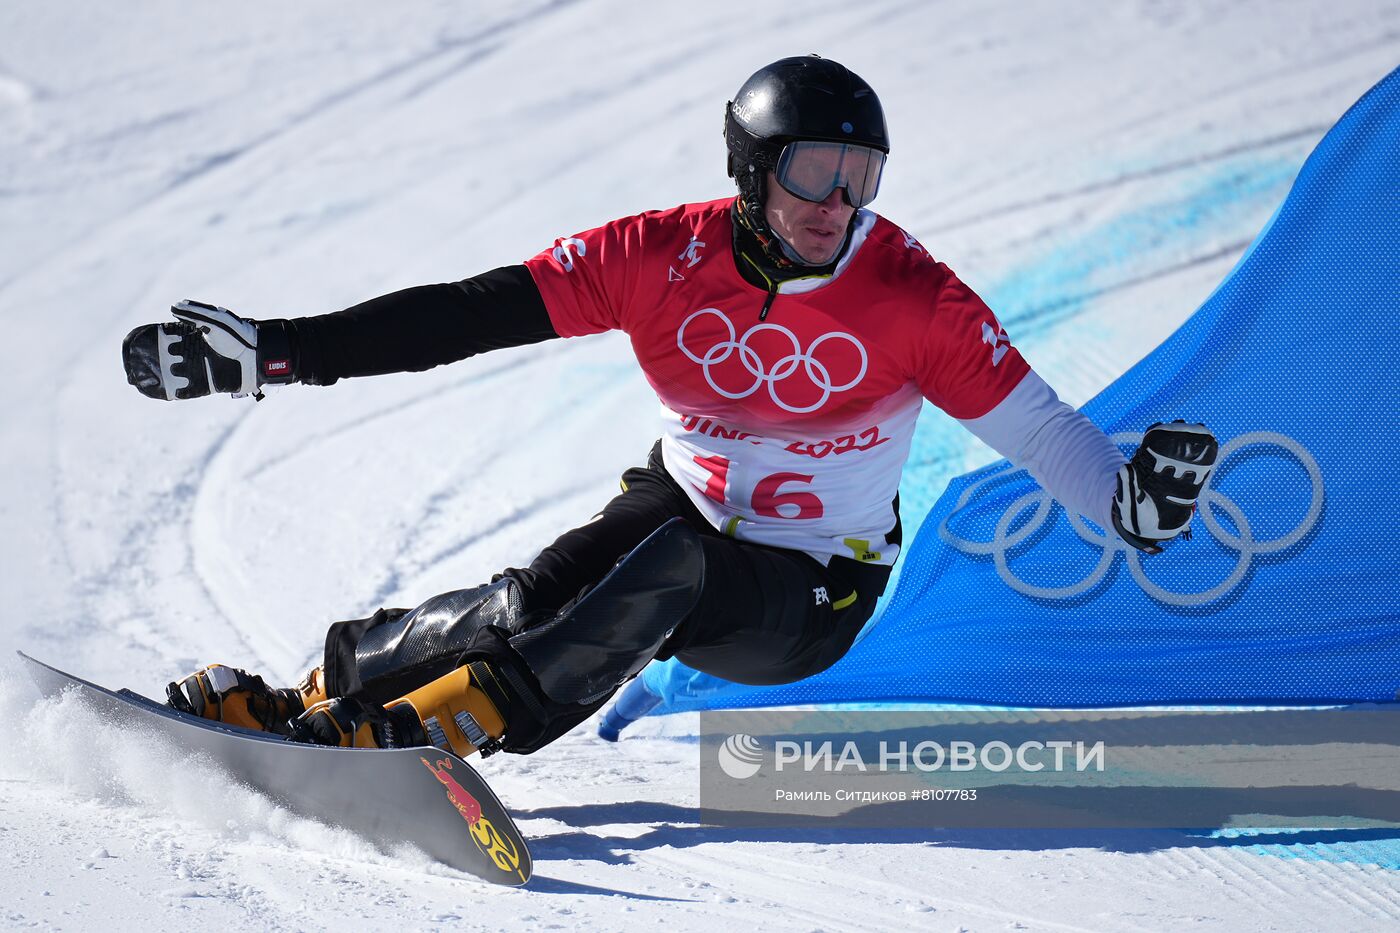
x=1092, y=169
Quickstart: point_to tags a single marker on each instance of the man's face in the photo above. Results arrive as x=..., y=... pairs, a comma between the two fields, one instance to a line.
x=814, y=229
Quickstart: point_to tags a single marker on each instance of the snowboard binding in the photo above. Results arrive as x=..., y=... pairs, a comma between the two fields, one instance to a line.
x=233, y=696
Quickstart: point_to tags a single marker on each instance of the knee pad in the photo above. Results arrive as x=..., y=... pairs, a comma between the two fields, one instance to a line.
x=607, y=636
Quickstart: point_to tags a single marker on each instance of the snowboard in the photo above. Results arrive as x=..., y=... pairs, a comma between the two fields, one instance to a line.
x=425, y=797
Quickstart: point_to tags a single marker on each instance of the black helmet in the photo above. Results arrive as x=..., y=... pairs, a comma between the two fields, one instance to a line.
x=806, y=98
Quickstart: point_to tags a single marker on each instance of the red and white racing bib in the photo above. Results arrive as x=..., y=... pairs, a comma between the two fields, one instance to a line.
x=793, y=430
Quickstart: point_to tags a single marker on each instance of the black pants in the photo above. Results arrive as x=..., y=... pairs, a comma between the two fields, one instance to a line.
x=765, y=615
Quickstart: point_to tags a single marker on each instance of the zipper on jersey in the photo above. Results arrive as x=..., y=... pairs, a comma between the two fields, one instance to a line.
x=772, y=286
x=768, y=302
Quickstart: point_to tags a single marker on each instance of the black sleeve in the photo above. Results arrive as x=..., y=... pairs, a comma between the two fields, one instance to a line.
x=419, y=328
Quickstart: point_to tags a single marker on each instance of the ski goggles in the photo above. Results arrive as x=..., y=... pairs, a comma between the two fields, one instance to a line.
x=812, y=170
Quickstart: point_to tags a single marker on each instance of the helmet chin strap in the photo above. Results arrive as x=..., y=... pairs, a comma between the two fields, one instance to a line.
x=750, y=214
x=771, y=255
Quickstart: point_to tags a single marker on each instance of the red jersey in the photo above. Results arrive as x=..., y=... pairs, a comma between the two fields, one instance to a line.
x=793, y=430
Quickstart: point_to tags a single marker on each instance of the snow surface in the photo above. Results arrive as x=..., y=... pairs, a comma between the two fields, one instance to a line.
x=1093, y=169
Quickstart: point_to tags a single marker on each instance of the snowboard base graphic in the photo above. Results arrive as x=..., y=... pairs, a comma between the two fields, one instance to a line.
x=425, y=797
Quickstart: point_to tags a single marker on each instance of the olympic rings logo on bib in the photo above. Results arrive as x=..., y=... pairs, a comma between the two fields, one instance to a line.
x=801, y=373
x=1242, y=540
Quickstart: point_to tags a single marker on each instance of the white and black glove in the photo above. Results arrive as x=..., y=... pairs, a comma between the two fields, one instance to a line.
x=1158, y=488
x=208, y=349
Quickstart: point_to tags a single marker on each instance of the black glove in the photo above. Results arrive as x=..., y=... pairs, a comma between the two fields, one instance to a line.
x=1158, y=488
x=208, y=349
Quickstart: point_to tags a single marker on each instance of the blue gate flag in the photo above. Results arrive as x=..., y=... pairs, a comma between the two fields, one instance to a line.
x=1289, y=590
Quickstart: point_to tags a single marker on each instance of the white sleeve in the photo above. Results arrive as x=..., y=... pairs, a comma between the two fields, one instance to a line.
x=1067, y=454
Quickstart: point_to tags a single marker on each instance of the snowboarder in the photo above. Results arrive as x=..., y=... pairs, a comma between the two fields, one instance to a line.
x=791, y=335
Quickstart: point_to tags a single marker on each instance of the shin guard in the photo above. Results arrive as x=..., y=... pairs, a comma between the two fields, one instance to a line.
x=384, y=657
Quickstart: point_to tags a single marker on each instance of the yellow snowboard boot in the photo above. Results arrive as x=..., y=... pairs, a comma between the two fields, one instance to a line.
x=459, y=712
x=233, y=696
